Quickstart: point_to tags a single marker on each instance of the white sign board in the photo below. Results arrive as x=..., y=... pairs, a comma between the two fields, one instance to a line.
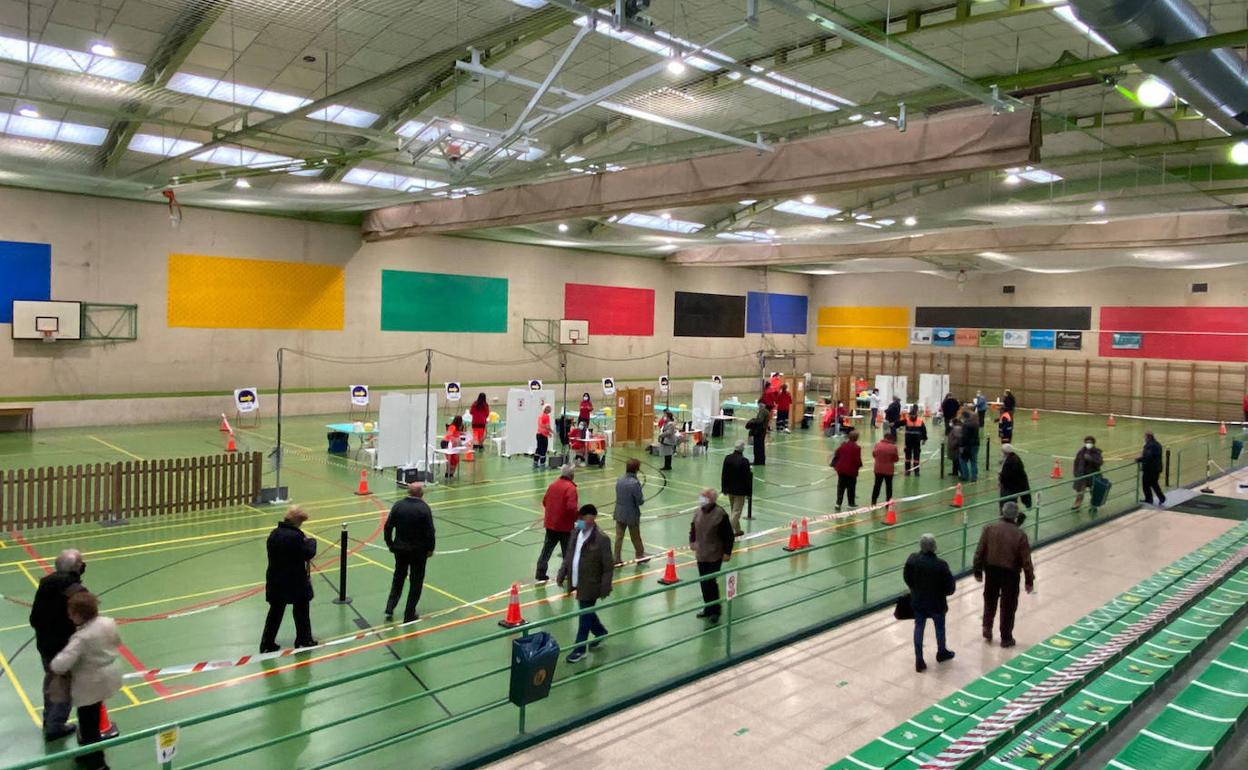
x=246, y=400
x=1015, y=338
x=359, y=395
x=717, y=381
x=703, y=403
x=932, y=390
x=167, y=745
x=523, y=409
x=730, y=586
x=608, y=386
x=921, y=335
x=664, y=384
x=535, y=385
x=453, y=391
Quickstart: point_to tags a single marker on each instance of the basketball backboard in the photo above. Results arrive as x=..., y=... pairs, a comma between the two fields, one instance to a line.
x=573, y=332
x=46, y=320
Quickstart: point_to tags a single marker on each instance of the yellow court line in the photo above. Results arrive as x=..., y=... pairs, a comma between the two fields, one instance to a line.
x=115, y=447
x=2, y=545
x=133, y=700
x=21, y=694
x=29, y=576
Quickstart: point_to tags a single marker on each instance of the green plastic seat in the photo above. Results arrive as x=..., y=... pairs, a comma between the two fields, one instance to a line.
x=1190, y=727
x=1210, y=702
x=1145, y=752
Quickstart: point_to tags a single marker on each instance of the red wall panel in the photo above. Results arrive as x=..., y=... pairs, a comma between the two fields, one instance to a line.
x=1179, y=333
x=610, y=310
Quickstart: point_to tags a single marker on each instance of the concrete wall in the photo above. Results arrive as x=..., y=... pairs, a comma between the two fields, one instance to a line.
x=116, y=251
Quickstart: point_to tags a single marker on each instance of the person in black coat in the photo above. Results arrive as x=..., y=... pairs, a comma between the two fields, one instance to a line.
x=949, y=410
x=1012, y=480
x=737, y=481
x=757, y=428
x=892, y=414
x=49, y=617
x=1008, y=402
x=1150, y=461
x=411, y=538
x=930, y=581
x=288, y=580
x=969, y=447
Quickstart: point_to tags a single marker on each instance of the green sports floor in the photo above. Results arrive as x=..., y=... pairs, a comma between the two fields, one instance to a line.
x=189, y=588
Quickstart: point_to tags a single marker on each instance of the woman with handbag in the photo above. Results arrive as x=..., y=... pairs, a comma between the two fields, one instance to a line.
x=930, y=581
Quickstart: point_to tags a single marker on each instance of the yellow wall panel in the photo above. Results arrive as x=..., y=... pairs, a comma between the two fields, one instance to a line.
x=885, y=328
x=228, y=293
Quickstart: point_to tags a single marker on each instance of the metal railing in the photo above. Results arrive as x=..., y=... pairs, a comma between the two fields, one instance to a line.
x=782, y=598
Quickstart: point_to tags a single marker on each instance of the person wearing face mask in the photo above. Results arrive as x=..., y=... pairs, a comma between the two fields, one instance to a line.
x=53, y=628
x=588, y=575
x=711, y=537
x=587, y=409
x=1087, y=470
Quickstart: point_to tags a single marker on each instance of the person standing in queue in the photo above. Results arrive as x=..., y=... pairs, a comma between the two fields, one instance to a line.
x=1087, y=469
x=669, y=437
x=757, y=428
x=89, y=661
x=847, y=460
x=1151, y=465
x=969, y=446
x=559, y=512
x=916, y=437
x=874, y=400
x=892, y=415
x=1012, y=482
x=885, y=456
x=949, y=411
x=409, y=534
x=981, y=407
x=543, y=437
x=736, y=480
x=588, y=575
x=953, y=446
x=627, y=512
x=1008, y=402
x=931, y=583
x=784, y=404
x=1005, y=428
x=50, y=619
x=1002, y=556
x=479, y=412
x=288, y=580
x=711, y=537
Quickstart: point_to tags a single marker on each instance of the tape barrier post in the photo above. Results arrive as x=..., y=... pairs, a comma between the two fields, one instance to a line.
x=1036, y=538
x=342, y=569
x=987, y=453
x=942, y=460
x=866, y=565
x=1167, y=468
x=749, y=507
x=965, y=535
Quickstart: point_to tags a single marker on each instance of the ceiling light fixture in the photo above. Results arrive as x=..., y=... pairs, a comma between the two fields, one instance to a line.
x=563, y=228
x=1098, y=207
x=771, y=231
x=857, y=116
x=808, y=199
x=103, y=49
x=909, y=221
x=1012, y=179
x=1153, y=93
x=676, y=67
x=28, y=112
x=242, y=184
x=666, y=215
x=1239, y=153
x=747, y=202
x=455, y=126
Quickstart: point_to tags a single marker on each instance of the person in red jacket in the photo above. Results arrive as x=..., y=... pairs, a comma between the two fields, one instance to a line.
x=480, y=413
x=784, y=402
x=885, y=454
x=559, y=512
x=847, y=460
x=768, y=399
x=452, y=439
x=587, y=410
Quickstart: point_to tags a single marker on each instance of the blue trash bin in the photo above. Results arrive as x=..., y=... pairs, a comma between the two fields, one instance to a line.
x=533, y=660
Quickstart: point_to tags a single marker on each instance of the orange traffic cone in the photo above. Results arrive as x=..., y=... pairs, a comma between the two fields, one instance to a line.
x=1057, y=468
x=890, y=516
x=1110, y=422
x=513, y=618
x=879, y=419
x=225, y=425
x=803, y=536
x=363, y=488
x=794, y=543
x=107, y=728
x=927, y=411
x=957, y=496
x=1035, y=415
x=669, y=572
x=1222, y=429
x=230, y=446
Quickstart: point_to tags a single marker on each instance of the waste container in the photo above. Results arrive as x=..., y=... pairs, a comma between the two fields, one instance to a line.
x=1100, y=491
x=533, y=660
x=1237, y=448
x=339, y=443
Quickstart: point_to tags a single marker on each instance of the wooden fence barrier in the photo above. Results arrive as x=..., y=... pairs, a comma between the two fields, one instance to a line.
x=104, y=492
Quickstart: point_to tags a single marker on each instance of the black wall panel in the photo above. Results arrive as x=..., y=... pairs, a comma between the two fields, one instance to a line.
x=1079, y=318
x=708, y=315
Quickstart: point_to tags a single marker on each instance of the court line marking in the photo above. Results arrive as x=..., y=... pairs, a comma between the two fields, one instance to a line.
x=114, y=447
x=29, y=576
x=21, y=693
x=134, y=701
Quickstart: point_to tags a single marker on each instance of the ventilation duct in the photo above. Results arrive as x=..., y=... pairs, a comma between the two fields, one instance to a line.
x=1211, y=81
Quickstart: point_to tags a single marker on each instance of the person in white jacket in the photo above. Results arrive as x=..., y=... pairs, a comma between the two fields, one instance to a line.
x=90, y=661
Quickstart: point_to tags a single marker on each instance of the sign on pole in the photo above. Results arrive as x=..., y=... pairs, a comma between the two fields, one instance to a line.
x=247, y=399
x=535, y=385
x=359, y=395
x=453, y=391
x=608, y=386
x=717, y=382
x=167, y=744
x=730, y=585
x=664, y=383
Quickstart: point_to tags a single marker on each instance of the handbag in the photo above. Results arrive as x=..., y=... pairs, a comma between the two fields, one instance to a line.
x=904, y=609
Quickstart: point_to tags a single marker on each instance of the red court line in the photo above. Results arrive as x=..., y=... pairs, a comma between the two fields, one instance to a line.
x=130, y=657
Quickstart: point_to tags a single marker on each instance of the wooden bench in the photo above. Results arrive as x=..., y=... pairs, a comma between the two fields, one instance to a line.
x=25, y=416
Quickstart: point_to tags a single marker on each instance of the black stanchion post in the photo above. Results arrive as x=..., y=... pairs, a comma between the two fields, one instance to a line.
x=749, y=507
x=942, y=461
x=342, y=569
x=1167, y=468
x=987, y=453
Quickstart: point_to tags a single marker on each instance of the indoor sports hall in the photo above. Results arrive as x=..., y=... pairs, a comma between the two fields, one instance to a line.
x=541, y=383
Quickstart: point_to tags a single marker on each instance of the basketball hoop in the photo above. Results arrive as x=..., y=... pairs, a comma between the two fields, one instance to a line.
x=48, y=335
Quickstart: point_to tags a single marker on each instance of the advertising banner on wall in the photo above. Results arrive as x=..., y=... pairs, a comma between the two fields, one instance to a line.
x=1127, y=340
x=943, y=336
x=1041, y=339
x=966, y=338
x=1014, y=338
x=921, y=335
x=1070, y=340
x=990, y=338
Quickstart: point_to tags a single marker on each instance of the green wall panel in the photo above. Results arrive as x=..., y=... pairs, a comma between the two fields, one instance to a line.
x=433, y=302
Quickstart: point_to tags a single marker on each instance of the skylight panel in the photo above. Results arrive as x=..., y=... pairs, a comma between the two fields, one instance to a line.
x=16, y=49
x=1040, y=176
x=385, y=180
x=165, y=146
x=745, y=235
x=347, y=116
x=1067, y=15
x=240, y=156
x=51, y=130
x=660, y=223
x=269, y=101
x=790, y=94
x=806, y=209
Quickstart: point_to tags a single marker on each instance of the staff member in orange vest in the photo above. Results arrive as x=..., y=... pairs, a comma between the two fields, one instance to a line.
x=916, y=437
x=451, y=439
x=480, y=413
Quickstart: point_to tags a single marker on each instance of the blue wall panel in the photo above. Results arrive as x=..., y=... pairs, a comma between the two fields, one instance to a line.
x=25, y=273
x=768, y=313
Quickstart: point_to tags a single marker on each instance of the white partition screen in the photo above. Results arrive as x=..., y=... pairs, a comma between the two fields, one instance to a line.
x=932, y=390
x=403, y=423
x=523, y=408
x=703, y=403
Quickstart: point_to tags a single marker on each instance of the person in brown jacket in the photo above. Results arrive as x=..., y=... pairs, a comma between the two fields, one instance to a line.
x=711, y=537
x=1004, y=553
x=587, y=572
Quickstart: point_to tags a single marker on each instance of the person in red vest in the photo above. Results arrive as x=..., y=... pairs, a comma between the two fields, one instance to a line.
x=784, y=402
x=842, y=417
x=480, y=414
x=847, y=460
x=768, y=399
x=587, y=409
x=829, y=417
x=453, y=433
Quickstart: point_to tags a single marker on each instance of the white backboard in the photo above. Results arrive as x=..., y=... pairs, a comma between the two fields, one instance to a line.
x=33, y=317
x=573, y=332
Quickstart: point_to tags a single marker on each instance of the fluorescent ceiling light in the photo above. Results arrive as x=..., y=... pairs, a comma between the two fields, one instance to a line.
x=821, y=272
x=51, y=130
x=269, y=101
x=1012, y=179
x=1206, y=266
x=1153, y=92
x=1099, y=207
x=457, y=127
x=886, y=221
x=676, y=67
x=563, y=228
x=872, y=225
x=806, y=209
x=103, y=49
x=16, y=49
x=1239, y=153
x=530, y=3
x=385, y=180
x=1040, y=176
x=734, y=75
x=1161, y=255
x=910, y=221
x=666, y=215
x=28, y=112
x=997, y=256
x=242, y=183
x=573, y=159
x=652, y=222
x=861, y=217
x=746, y=235
x=857, y=116
x=748, y=202
x=808, y=199
x=1065, y=14
x=771, y=231
x=873, y=123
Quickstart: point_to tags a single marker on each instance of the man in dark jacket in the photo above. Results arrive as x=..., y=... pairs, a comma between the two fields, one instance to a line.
x=288, y=580
x=50, y=619
x=411, y=538
x=892, y=414
x=1008, y=402
x=949, y=410
x=1087, y=470
x=587, y=573
x=711, y=537
x=969, y=447
x=1003, y=554
x=737, y=481
x=559, y=511
x=930, y=582
x=1012, y=482
x=757, y=428
x=627, y=514
x=1150, y=461
x=846, y=460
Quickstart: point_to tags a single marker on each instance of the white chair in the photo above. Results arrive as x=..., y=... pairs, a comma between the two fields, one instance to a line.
x=500, y=444
x=610, y=436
